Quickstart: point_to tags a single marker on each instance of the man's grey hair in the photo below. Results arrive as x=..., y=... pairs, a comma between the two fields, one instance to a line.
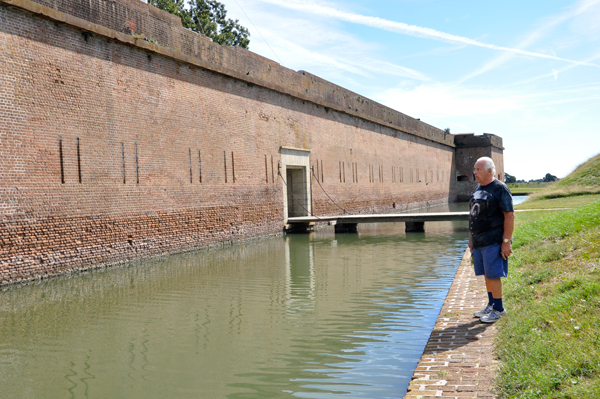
x=489, y=164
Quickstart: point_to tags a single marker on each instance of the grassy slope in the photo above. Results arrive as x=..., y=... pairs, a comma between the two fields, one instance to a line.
x=549, y=344
x=586, y=174
x=583, y=180
x=527, y=188
x=560, y=202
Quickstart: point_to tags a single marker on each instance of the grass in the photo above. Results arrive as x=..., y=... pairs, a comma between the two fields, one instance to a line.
x=557, y=203
x=583, y=180
x=549, y=344
x=556, y=191
x=527, y=188
x=585, y=175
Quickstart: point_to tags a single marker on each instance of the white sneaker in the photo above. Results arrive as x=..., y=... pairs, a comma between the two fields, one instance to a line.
x=484, y=311
x=493, y=316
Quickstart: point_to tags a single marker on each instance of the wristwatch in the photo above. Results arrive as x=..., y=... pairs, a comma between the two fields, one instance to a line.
x=507, y=240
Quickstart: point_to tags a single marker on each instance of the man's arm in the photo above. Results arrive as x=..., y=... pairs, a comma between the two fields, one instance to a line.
x=509, y=227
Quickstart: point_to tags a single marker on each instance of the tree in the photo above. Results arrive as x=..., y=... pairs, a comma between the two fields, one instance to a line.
x=207, y=17
x=549, y=178
x=509, y=178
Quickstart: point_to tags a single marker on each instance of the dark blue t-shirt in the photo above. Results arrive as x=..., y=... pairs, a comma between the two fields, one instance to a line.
x=486, y=221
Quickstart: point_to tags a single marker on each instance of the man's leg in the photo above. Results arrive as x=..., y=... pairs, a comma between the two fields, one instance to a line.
x=495, y=287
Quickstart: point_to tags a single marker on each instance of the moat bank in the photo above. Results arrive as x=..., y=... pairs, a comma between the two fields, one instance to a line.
x=302, y=316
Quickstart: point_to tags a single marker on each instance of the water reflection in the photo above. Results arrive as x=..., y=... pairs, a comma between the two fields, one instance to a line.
x=295, y=316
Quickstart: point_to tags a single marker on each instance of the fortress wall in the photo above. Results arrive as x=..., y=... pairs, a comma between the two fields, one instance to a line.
x=112, y=151
x=171, y=39
x=497, y=156
x=469, y=148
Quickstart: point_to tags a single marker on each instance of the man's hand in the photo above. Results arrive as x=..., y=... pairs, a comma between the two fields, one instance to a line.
x=506, y=250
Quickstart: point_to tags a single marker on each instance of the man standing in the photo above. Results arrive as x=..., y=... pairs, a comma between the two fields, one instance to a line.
x=491, y=224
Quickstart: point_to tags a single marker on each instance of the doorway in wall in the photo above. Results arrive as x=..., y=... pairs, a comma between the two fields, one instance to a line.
x=296, y=190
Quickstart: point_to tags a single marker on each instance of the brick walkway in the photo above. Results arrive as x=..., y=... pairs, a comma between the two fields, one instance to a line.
x=458, y=361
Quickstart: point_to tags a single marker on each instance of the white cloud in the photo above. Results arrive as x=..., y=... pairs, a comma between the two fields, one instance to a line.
x=523, y=102
x=553, y=73
x=413, y=30
x=585, y=24
x=303, y=42
x=437, y=101
x=539, y=33
x=445, y=100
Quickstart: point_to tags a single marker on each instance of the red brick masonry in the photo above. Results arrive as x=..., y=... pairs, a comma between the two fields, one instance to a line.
x=459, y=360
x=124, y=135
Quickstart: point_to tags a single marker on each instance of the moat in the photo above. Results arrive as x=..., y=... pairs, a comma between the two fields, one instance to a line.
x=307, y=316
x=294, y=316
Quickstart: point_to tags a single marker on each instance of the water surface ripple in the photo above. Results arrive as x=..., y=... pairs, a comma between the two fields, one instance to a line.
x=308, y=316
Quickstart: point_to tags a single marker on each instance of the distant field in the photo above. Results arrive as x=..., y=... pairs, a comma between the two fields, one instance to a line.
x=527, y=188
x=562, y=202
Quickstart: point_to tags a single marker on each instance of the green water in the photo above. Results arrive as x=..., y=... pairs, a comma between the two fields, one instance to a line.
x=308, y=316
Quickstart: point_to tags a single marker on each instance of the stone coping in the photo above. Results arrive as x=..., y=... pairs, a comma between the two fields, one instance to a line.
x=459, y=359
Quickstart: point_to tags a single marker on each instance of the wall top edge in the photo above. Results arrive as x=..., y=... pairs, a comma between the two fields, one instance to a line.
x=151, y=29
x=471, y=140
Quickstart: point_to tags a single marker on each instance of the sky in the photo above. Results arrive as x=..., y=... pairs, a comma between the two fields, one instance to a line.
x=527, y=71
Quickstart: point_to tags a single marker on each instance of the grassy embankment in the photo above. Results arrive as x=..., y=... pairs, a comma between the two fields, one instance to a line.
x=527, y=188
x=549, y=344
x=583, y=181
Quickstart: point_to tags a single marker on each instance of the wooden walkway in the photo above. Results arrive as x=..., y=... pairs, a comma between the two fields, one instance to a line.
x=415, y=222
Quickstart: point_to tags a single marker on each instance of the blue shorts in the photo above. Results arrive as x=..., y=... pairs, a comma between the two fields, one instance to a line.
x=488, y=261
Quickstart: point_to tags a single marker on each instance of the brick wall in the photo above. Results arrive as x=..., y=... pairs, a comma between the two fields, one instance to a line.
x=112, y=152
x=469, y=148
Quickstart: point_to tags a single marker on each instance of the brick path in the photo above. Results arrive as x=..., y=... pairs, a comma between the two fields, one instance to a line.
x=458, y=361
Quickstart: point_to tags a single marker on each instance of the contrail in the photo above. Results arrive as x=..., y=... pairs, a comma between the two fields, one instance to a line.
x=413, y=30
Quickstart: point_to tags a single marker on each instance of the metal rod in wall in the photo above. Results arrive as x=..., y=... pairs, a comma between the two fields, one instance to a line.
x=266, y=169
x=62, y=164
x=272, y=171
x=78, y=161
x=123, y=159
x=190, y=164
x=199, y=167
x=322, y=180
x=225, y=164
x=233, y=166
x=137, y=166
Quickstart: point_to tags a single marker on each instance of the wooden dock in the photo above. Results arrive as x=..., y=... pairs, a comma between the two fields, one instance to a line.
x=415, y=222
